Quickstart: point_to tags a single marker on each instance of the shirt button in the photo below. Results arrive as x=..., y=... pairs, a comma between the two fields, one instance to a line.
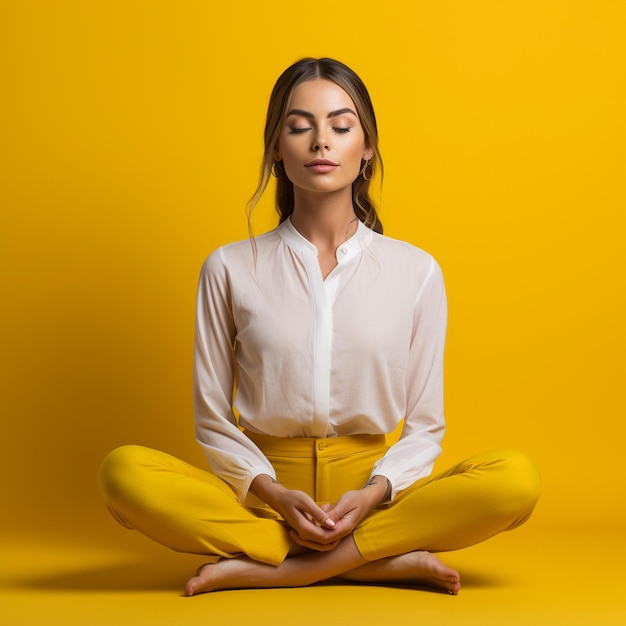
x=343, y=250
x=321, y=446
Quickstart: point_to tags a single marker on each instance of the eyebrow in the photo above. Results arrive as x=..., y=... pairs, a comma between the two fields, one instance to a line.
x=331, y=114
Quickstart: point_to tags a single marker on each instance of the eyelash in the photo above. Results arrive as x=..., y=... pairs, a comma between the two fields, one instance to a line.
x=297, y=131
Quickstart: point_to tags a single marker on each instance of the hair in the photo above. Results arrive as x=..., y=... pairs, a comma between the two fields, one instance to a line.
x=340, y=74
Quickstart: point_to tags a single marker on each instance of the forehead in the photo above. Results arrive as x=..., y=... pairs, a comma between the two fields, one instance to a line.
x=320, y=95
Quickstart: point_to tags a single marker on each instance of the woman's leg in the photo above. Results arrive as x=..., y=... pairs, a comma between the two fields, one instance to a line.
x=185, y=508
x=480, y=497
x=193, y=511
x=476, y=499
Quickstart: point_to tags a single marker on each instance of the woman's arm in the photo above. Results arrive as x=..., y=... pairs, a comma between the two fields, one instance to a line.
x=232, y=456
x=412, y=457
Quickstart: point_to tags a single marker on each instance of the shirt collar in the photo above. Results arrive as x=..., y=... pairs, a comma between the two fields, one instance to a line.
x=347, y=249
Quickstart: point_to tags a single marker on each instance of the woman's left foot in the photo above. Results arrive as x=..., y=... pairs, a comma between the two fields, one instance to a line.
x=418, y=568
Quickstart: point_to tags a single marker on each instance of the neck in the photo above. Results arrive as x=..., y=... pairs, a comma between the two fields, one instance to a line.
x=326, y=220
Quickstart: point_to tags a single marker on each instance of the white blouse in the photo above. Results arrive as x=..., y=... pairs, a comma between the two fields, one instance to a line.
x=352, y=354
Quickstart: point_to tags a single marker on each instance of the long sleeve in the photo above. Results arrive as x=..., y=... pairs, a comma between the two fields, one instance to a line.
x=231, y=455
x=413, y=456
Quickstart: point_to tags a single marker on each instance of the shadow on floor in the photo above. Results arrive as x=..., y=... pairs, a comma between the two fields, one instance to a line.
x=133, y=576
x=169, y=575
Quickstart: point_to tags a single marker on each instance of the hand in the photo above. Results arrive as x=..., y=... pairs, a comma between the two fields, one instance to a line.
x=310, y=524
x=321, y=528
x=347, y=513
x=350, y=509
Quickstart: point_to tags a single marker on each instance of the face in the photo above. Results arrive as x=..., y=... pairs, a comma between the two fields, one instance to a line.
x=322, y=142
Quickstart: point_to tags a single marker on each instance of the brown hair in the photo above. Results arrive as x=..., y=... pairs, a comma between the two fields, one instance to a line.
x=340, y=74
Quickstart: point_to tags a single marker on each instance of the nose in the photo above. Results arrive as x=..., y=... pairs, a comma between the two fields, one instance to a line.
x=320, y=143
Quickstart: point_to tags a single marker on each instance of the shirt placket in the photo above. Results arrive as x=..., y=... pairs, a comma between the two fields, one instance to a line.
x=324, y=293
x=322, y=346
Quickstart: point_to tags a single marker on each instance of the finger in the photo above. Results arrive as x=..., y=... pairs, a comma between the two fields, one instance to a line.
x=303, y=504
x=339, y=511
x=311, y=519
x=306, y=524
x=315, y=533
x=314, y=545
x=319, y=515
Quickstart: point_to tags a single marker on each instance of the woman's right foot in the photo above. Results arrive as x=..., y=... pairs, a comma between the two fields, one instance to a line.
x=225, y=574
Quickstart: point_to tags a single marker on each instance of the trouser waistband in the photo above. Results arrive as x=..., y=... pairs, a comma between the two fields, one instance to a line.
x=310, y=447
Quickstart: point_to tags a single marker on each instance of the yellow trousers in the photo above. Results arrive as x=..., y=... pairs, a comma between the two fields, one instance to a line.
x=192, y=510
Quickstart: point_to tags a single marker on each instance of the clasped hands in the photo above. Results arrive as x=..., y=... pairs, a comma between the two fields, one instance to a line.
x=316, y=527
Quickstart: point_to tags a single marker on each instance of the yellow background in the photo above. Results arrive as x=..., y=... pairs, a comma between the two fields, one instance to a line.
x=131, y=140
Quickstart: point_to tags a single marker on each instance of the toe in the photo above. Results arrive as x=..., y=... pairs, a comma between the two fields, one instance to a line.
x=190, y=588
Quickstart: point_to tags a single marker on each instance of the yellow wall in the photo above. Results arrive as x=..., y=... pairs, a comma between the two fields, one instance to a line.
x=130, y=141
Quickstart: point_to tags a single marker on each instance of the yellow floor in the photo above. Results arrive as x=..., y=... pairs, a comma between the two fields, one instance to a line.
x=528, y=577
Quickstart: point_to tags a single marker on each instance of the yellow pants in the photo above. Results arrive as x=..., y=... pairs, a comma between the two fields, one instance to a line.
x=192, y=510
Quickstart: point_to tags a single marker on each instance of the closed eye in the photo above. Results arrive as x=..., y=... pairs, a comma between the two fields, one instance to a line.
x=295, y=131
x=342, y=130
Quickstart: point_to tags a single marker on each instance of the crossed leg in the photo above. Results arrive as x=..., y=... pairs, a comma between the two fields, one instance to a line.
x=476, y=499
x=193, y=511
x=345, y=561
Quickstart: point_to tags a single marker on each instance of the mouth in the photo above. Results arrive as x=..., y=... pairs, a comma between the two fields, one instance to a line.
x=321, y=165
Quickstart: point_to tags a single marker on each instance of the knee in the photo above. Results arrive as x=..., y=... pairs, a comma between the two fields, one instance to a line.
x=519, y=482
x=118, y=471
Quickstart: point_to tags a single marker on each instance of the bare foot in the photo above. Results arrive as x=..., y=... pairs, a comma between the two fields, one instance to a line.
x=211, y=577
x=237, y=573
x=201, y=582
x=418, y=568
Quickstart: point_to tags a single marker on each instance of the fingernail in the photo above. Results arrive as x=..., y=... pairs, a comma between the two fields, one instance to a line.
x=330, y=523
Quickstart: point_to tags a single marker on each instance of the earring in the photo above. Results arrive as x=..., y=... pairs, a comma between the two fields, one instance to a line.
x=277, y=169
x=363, y=171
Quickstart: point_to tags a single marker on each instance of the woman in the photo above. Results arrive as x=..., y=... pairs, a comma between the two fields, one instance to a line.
x=334, y=334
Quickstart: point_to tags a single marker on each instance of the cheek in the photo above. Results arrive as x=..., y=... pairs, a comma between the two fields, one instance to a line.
x=289, y=149
x=290, y=163
x=357, y=147
x=356, y=155
x=279, y=150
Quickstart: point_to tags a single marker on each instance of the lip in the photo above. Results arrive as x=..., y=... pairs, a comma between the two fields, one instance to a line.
x=321, y=165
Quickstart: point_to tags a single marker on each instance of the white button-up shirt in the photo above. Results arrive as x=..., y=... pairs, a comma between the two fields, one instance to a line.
x=355, y=353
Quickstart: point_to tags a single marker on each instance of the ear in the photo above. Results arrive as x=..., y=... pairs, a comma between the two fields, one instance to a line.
x=368, y=153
